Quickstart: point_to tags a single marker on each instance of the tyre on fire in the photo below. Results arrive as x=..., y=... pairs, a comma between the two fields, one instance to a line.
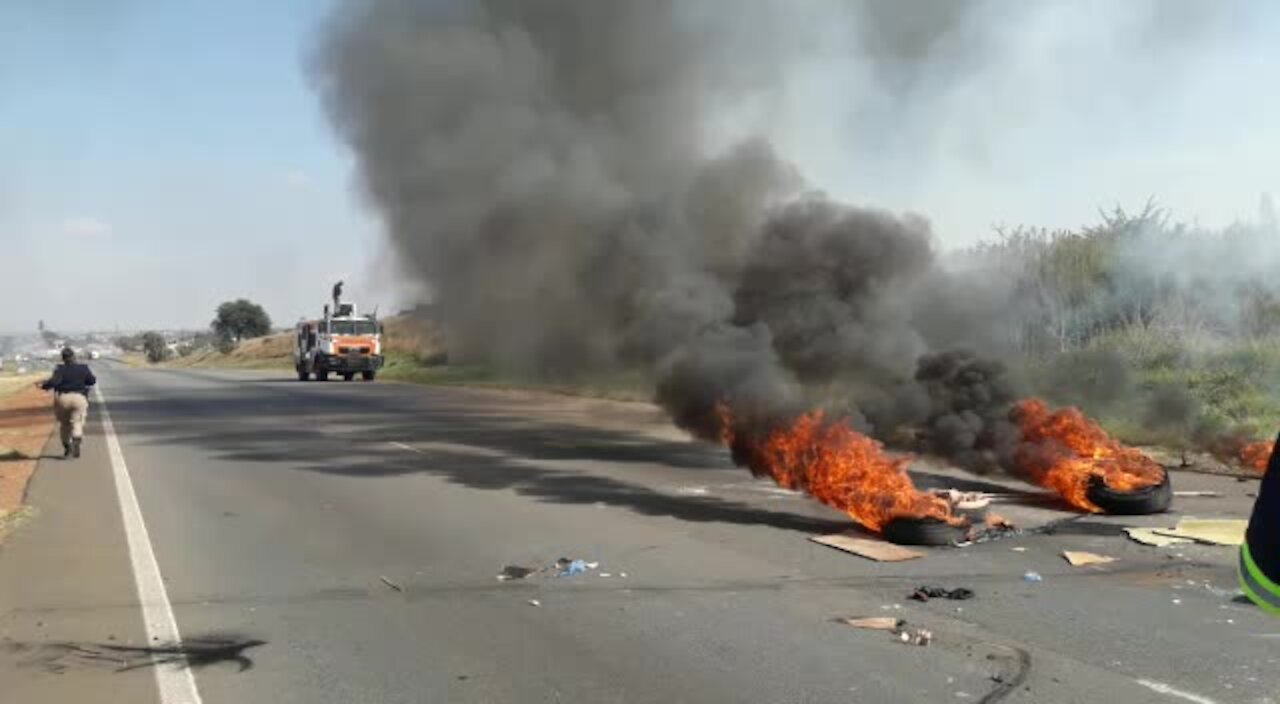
x=923, y=531
x=1149, y=499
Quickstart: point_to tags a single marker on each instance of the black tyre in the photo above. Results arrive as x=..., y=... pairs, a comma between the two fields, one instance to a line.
x=1151, y=499
x=923, y=531
x=322, y=376
x=348, y=376
x=368, y=376
x=303, y=375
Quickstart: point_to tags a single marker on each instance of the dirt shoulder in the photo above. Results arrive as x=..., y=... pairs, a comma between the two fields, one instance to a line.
x=25, y=424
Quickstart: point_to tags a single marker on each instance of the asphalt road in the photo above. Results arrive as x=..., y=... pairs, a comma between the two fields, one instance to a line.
x=279, y=511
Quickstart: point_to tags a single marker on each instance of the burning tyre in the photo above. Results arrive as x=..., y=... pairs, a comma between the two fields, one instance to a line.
x=923, y=531
x=1143, y=500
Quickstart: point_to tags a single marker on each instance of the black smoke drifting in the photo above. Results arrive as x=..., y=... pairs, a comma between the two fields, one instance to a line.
x=553, y=171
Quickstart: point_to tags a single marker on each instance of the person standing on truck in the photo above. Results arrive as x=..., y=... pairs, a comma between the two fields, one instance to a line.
x=70, y=383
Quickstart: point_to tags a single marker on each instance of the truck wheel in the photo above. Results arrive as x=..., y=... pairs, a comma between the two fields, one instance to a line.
x=368, y=376
x=348, y=376
x=303, y=375
x=322, y=375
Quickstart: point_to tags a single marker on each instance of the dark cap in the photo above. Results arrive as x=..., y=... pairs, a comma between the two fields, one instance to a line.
x=68, y=354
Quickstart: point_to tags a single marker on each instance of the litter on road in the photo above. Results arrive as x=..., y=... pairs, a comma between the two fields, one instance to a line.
x=895, y=626
x=927, y=593
x=1149, y=536
x=535, y=602
x=916, y=636
x=873, y=623
x=391, y=584
x=514, y=572
x=1202, y=494
x=572, y=568
x=1081, y=559
x=1214, y=531
x=877, y=550
x=1032, y=577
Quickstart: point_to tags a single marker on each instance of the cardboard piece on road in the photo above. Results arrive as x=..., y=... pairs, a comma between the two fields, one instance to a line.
x=874, y=623
x=1215, y=531
x=872, y=549
x=1149, y=536
x=1081, y=559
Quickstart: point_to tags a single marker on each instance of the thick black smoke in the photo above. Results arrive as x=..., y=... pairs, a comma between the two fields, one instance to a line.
x=551, y=169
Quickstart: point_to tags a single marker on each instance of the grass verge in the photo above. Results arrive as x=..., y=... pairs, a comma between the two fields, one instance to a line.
x=25, y=425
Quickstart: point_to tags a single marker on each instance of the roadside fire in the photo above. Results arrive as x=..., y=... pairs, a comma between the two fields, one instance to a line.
x=838, y=466
x=1254, y=455
x=1065, y=451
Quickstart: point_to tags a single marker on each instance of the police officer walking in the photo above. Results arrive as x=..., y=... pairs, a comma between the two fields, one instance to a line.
x=70, y=383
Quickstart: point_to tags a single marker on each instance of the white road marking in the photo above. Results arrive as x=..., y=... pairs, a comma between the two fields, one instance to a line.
x=176, y=685
x=1163, y=688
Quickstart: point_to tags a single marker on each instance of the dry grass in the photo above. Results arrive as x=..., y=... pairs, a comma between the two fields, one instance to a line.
x=408, y=341
x=25, y=424
x=270, y=352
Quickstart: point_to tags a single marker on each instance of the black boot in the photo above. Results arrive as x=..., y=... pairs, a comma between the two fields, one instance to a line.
x=75, y=448
x=66, y=450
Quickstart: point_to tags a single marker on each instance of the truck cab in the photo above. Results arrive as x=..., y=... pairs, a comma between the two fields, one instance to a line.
x=342, y=342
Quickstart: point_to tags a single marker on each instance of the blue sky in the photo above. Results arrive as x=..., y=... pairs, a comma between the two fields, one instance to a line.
x=159, y=157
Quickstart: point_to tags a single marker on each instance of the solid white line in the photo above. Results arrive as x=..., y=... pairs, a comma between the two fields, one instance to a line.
x=1163, y=688
x=176, y=685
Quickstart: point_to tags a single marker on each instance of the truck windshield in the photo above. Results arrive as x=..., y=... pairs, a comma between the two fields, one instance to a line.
x=353, y=327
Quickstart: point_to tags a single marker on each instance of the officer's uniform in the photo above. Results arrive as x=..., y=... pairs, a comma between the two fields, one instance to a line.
x=1260, y=554
x=71, y=383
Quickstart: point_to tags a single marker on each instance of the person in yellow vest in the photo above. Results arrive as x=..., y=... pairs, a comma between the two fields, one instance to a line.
x=1260, y=553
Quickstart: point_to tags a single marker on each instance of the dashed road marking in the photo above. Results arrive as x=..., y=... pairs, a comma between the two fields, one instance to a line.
x=1163, y=688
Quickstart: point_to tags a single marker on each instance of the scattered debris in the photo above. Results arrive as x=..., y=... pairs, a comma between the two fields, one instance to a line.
x=877, y=550
x=1149, y=536
x=927, y=593
x=1214, y=531
x=965, y=500
x=514, y=572
x=574, y=567
x=1032, y=577
x=1081, y=559
x=391, y=584
x=915, y=636
x=1203, y=494
x=874, y=623
x=896, y=626
x=535, y=602
x=1019, y=549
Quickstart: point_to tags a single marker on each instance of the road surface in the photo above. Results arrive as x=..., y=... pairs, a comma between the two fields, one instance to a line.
x=339, y=542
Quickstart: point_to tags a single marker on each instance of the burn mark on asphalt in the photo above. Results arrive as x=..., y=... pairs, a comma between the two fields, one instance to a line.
x=198, y=652
x=1013, y=674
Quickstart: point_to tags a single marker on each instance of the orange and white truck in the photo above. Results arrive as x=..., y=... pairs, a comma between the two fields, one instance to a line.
x=342, y=342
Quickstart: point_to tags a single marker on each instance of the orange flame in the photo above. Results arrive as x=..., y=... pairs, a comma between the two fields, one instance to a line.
x=838, y=466
x=1255, y=455
x=1062, y=450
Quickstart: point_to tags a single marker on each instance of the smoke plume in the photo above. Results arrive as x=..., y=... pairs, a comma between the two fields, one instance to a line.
x=558, y=172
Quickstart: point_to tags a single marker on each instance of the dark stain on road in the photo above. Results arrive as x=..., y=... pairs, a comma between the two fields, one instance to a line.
x=195, y=653
x=1013, y=674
